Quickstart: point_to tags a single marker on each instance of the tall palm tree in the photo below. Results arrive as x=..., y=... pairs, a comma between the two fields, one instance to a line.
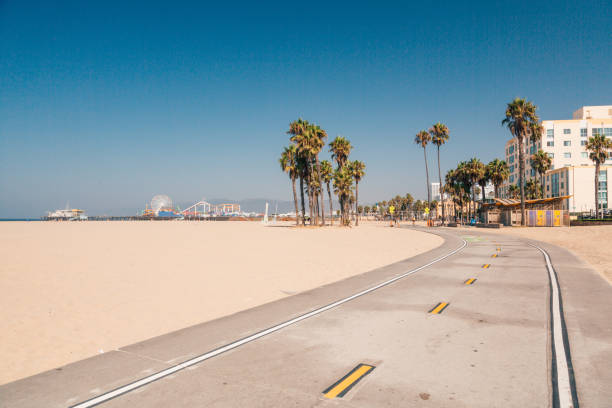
x=422, y=139
x=288, y=163
x=541, y=162
x=532, y=189
x=319, y=142
x=439, y=136
x=327, y=173
x=482, y=182
x=340, y=148
x=498, y=172
x=343, y=187
x=358, y=169
x=514, y=191
x=599, y=147
x=522, y=121
x=475, y=170
x=303, y=140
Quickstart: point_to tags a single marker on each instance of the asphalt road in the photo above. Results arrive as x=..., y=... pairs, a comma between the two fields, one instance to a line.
x=449, y=331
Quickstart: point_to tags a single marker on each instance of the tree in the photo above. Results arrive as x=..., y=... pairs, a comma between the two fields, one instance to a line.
x=343, y=187
x=482, y=182
x=288, y=163
x=320, y=135
x=340, y=149
x=532, y=189
x=327, y=174
x=541, y=163
x=422, y=139
x=475, y=171
x=358, y=171
x=599, y=147
x=522, y=121
x=514, y=191
x=498, y=172
x=439, y=136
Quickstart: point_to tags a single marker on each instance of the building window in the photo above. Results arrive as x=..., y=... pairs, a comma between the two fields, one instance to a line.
x=608, y=132
x=584, y=155
x=511, y=149
x=583, y=143
x=583, y=132
x=512, y=179
x=567, y=155
x=550, y=133
x=567, y=131
x=567, y=143
x=550, y=144
x=562, y=186
x=547, y=187
x=532, y=172
x=595, y=131
x=551, y=155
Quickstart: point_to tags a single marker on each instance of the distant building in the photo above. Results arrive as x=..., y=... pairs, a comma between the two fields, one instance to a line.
x=435, y=192
x=564, y=141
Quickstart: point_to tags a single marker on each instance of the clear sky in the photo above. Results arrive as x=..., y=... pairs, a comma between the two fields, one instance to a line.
x=105, y=104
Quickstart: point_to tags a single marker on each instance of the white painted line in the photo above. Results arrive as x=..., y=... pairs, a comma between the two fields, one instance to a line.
x=564, y=385
x=164, y=373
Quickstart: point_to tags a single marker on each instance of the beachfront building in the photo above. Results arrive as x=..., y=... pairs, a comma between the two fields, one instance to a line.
x=564, y=141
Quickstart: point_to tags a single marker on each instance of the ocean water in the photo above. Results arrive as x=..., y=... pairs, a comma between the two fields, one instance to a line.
x=20, y=219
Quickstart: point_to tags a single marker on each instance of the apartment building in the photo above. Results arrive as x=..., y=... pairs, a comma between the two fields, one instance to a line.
x=564, y=141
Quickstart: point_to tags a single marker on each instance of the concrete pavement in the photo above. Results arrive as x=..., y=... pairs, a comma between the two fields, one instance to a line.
x=489, y=346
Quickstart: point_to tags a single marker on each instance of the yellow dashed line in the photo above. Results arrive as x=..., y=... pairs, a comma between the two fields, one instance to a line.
x=485, y=266
x=470, y=281
x=348, y=381
x=438, y=308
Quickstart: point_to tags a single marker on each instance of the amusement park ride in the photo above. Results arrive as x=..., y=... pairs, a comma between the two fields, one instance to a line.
x=162, y=208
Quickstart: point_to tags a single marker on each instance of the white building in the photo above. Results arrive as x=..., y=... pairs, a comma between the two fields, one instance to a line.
x=564, y=141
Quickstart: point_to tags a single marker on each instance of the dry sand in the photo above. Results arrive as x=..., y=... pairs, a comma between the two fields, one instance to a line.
x=593, y=244
x=71, y=290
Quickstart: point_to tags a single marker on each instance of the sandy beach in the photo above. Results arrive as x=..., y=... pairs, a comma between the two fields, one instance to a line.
x=72, y=290
x=592, y=244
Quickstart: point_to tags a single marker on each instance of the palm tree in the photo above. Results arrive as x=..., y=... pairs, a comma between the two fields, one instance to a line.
x=422, y=139
x=340, y=149
x=482, y=182
x=532, y=189
x=599, y=147
x=358, y=170
x=343, y=187
x=439, y=136
x=288, y=163
x=522, y=121
x=498, y=172
x=304, y=141
x=327, y=173
x=319, y=135
x=514, y=191
x=541, y=162
x=475, y=171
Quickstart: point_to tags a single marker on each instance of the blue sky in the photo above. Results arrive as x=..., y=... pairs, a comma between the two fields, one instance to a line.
x=105, y=104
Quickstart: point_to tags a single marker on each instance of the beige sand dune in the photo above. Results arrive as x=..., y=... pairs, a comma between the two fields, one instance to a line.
x=71, y=290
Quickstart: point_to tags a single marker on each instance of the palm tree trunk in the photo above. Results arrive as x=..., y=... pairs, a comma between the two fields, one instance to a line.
x=331, y=209
x=483, y=194
x=356, y=203
x=521, y=177
x=322, y=195
x=596, y=189
x=427, y=178
x=496, y=187
x=441, y=194
x=303, y=206
x=297, y=219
